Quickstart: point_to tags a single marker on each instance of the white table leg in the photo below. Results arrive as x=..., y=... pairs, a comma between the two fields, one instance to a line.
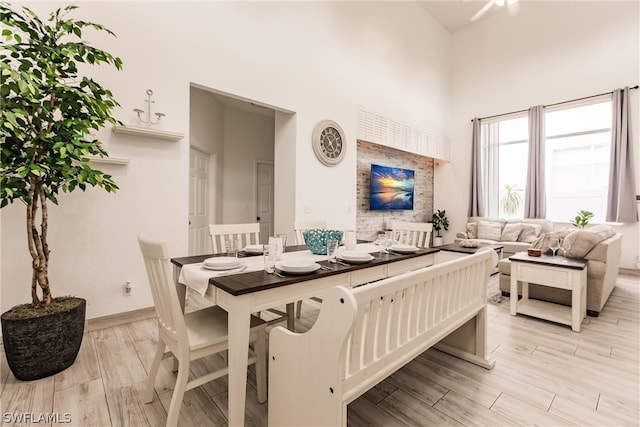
x=181, y=290
x=576, y=303
x=583, y=294
x=239, y=310
x=513, y=298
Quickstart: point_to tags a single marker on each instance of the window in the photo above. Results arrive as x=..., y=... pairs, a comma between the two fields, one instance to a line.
x=504, y=151
x=578, y=141
x=578, y=150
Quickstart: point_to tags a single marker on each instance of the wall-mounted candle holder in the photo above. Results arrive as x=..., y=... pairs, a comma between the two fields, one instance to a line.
x=148, y=121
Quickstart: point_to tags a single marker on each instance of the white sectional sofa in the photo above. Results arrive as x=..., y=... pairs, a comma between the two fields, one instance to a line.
x=516, y=235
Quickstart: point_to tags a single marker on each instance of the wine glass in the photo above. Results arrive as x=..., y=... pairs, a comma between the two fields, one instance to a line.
x=382, y=243
x=554, y=245
x=566, y=245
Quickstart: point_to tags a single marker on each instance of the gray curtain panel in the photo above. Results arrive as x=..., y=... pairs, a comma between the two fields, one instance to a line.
x=476, y=207
x=621, y=201
x=535, y=205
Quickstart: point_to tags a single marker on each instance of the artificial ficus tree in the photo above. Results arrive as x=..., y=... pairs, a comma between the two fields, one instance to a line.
x=48, y=113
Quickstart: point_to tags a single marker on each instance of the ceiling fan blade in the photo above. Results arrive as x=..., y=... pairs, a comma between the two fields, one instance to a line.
x=482, y=11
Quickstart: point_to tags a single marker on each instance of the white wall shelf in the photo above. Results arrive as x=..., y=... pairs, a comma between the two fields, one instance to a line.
x=147, y=132
x=110, y=160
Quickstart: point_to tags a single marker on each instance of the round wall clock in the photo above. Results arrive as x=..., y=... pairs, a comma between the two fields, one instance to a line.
x=329, y=142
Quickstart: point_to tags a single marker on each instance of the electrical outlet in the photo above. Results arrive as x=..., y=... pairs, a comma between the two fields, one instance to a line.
x=127, y=289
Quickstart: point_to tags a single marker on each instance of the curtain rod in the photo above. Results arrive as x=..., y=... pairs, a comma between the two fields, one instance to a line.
x=552, y=105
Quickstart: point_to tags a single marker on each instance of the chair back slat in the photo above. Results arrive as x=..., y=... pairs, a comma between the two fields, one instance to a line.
x=300, y=226
x=412, y=233
x=163, y=290
x=248, y=234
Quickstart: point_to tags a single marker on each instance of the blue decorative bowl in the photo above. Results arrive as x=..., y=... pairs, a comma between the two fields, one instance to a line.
x=316, y=240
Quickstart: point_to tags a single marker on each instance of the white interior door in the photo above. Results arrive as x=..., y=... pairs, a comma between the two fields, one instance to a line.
x=199, y=241
x=264, y=199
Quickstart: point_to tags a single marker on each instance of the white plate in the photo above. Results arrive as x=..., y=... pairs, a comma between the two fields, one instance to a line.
x=221, y=261
x=356, y=260
x=354, y=255
x=404, y=249
x=254, y=249
x=221, y=268
x=293, y=267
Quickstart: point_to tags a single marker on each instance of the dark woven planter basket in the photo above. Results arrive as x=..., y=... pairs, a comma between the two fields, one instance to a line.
x=42, y=346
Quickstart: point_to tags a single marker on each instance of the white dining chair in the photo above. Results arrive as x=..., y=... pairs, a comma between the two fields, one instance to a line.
x=248, y=234
x=300, y=226
x=192, y=335
x=412, y=233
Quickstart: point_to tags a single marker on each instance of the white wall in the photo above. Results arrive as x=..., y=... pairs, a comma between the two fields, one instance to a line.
x=247, y=138
x=503, y=63
x=320, y=60
x=206, y=133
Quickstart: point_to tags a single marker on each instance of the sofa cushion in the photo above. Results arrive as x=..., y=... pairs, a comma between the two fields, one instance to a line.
x=511, y=232
x=530, y=232
x=489, y=230
x=583, y=240
x=513, y=247
x=472, y=230
x=504, y=266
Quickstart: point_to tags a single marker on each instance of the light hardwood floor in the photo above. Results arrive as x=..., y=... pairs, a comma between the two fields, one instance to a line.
x=545, y=375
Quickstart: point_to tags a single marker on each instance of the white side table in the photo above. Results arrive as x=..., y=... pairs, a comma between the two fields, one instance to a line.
x=556, y=272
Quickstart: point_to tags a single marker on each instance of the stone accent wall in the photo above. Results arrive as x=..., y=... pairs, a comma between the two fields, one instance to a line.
x=369, y=222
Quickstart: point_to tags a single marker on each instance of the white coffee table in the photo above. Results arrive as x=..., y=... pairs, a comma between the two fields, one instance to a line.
x=556, y=272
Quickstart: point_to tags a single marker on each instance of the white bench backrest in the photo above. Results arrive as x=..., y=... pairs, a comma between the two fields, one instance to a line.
x=365, y=334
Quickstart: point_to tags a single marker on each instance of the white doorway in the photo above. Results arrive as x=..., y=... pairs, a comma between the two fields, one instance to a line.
x=199, y=242
x=264, y=199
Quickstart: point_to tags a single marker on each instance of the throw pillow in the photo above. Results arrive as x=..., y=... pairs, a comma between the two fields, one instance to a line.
x=469, y=243
x=511, y=232
x=583, y=240
x=472, y=230
x=489, y=230
x=529, y=233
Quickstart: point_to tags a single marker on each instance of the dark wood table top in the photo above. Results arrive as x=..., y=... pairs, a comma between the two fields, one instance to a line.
x=553, y=261
x=455, y=247
x=255, y=281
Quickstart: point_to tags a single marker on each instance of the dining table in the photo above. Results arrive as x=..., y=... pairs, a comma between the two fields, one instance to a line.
x=252, y=289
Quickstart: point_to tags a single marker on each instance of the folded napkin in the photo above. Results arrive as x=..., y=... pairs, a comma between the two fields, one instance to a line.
x=197, y=277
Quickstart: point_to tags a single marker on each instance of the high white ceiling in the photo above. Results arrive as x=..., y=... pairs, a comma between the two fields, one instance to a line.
x=456, y=14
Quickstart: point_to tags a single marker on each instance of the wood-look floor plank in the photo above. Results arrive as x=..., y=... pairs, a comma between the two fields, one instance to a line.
x=623, y=388
x=475, y=391
x=501, y=377
x=546, y=376
x=85, y=403
x=126, y=408
x=362, y=413
x=413, y=412
x=120, y=365
x=525, y=414
x=470, y=413
x=419, y=384
x=84, y=369
x=26, y=397
x=4, y=370
x=380, y=392
x=198, y=409
x=255, y=413
x=571, y=410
